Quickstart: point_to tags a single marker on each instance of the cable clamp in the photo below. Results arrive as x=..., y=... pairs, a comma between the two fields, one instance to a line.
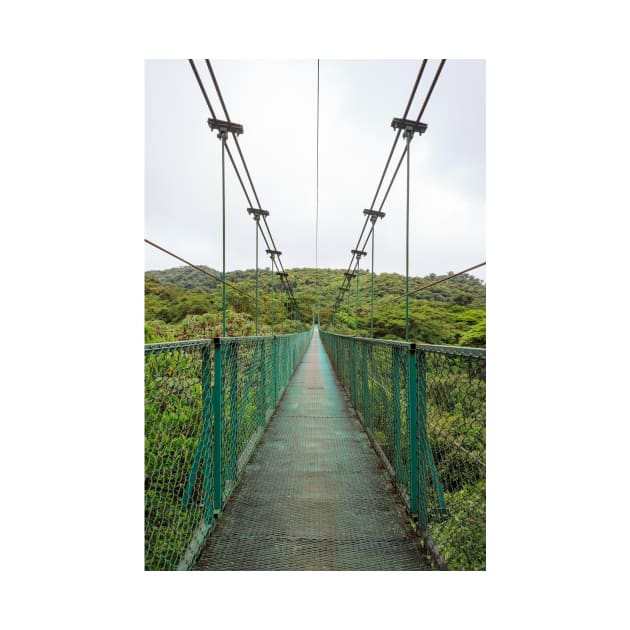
x=257, y=212
x=409, y=127
x=224, y=127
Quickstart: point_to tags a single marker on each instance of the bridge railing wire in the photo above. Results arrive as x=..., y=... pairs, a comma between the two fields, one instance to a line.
x=423, y=408
x=207, y=403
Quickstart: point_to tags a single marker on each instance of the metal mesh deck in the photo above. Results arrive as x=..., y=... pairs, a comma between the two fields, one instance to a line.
x=314, y=495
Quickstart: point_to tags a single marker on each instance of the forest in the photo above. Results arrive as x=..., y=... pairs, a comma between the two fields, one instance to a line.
x=182, y=303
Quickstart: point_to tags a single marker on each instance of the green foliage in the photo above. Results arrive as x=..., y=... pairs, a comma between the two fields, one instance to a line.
x=149, y=334
x=171, y=304
x=450, y=313
x=439, y=315
x=172, y=430
x=475, y=336
x=458, y=449
x=456, y=427
x=182, y=304
x=461, y=538
x=157, y=331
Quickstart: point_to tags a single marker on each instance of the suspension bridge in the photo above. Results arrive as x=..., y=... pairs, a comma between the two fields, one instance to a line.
x=313, y=450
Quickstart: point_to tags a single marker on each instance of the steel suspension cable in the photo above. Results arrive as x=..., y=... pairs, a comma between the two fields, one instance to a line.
x=238, y=146
x=430, y=92
x=274, y=247
x=201, y=87
x=205, y=96
x=413, y=93
x=207, y=273
x=236, y=170
x=251, y=183
x=409, y=102
x=424, y=105
x=391, y=152
x=404, y=153
x=238, y=175
x=432, y=284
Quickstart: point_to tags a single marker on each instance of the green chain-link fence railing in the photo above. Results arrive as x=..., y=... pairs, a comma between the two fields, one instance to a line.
x=424, y=409
x=196, y=391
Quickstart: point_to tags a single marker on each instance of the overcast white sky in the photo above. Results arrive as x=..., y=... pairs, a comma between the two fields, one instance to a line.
x=275, y=101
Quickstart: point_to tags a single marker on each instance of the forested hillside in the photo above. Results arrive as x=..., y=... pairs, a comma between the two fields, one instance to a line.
x=182, y=303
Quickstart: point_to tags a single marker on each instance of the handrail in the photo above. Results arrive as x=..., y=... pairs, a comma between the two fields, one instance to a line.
x=207, y=404
x=423, y=408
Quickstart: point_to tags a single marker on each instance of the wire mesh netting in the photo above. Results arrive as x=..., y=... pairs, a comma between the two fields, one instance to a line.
x=447, y=394
x=375, y=376
x=247, y=397
x=456, y=429
x=185, y=481
x=175, y=437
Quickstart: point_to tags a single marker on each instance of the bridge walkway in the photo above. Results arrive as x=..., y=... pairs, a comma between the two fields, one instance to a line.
x=314, y=495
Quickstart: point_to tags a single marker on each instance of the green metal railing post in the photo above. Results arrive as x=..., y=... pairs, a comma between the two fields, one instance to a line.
x=353, y=374
x=223, y=136
x=356, y=308
x=408, y=136
x=410, y=128
x=206, y=394
x=422, y=446
x=275, y=371
x=231, y=356
x=366, y=387
x=372, y=298
x=412, y=429
x=263, y=375
x=256, y=220
x=273, y=304
x=217, y=409
x=204, y=445
x=397, y=418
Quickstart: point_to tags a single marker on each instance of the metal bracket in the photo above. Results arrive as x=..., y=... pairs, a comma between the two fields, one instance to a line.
x=224, y=127
x=409, y=126
x=358, y=253
x=374, y=214
x=257, y=212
